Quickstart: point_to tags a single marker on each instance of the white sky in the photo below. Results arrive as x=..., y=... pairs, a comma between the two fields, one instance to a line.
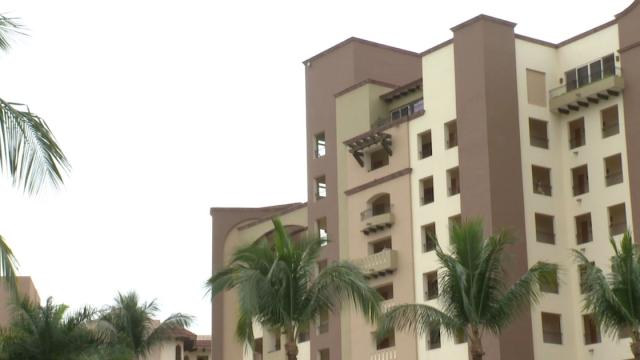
x=166, y=108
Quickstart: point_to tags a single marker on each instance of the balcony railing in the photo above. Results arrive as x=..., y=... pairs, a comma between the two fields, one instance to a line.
x=552, y=337
x=379, y=264
x=610, y=130
x=376, y=219
x=387, y=354
x=583, y=237
x=539, y=141
x=586, y=90
x=613, y=178
x=542, y=189
x=580, y=189
x=426, y=151
x=427, y=198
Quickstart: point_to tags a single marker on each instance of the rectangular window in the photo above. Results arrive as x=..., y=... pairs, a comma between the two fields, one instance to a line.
x=572, y=80
x=617, y=219
x=544, y=229
x=321, y=228
x=536, y=88
x=378, y=159
x=454, y=221
x=425, y=145
x=591, y=330
x=257, y=349
x=453, y=181
x=582, y=276
x=428, y=237
x=451, y=134
x=426, y=189
x=303, y=336
x=613, y=170
x=609, y=65
x=386, y=291
x=583, y=229
x=576, y=133
x=551, y=328
x=430, y=284
x=380, y=246
x=541, y=180
x=460, y=336
x=610, y=121
x=274, y=340
x=538, y=133
x=320, y=145
x=580, y=176
x=386, y=342
x=433, y=338
x=321, y=188
x=323, y=322
x=323, y=354
x=553, y=286
x=408, y=109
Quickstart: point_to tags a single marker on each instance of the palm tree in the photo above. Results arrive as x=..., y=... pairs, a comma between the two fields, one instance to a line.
x=474, y=295
x=278, y=289
x=29, y=153
x=134, y=325
x=46, y=333
x=614, y=299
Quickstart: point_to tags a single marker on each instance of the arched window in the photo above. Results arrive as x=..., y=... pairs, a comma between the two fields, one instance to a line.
x=380, y=204
x=178, y=352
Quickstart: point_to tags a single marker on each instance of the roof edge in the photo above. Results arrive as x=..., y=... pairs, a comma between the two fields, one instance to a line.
x=361, y=41
x=587, y=33
x=363, y=83
x=628, y=9
x=483, y=17
x=286, y=210
x=246, y=209
x=437, y=47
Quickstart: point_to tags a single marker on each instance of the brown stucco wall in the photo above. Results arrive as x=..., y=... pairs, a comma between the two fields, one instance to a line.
x=223, y=221
x=26, y=289
x=347, y=64
x=489, y=153
x=629, y=32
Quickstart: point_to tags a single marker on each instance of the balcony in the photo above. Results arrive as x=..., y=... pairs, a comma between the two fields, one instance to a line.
x=588, y=89
x=388, y=354
x=377, y=218
x=380, y=264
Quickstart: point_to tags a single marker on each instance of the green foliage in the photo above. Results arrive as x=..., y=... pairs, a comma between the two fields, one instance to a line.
x=614, y=299
x=132, y=324
x=49, y=333
x=474, y=292
x=277, y=287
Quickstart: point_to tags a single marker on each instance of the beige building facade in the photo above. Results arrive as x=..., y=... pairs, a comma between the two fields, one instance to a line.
x=539, y=138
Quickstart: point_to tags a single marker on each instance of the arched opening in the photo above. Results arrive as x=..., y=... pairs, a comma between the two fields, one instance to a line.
x=296, y=232
x=178, y=352
x=380, y=204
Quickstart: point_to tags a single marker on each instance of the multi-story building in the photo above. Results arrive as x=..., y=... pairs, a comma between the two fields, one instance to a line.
x=539, y=138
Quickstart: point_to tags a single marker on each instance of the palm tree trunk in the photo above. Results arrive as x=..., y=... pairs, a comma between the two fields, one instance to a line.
x=291, y=349
x=475, y=345
x=635, y=344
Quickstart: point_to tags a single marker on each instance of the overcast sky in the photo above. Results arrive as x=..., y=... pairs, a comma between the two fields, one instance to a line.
x=167, y=108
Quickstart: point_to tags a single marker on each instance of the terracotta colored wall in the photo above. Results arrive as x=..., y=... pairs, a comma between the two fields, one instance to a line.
x=489, y=152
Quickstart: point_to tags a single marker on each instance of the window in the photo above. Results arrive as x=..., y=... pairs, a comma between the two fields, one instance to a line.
x=617, y=220
x=592, y=72
x=428, y=237
x=454, y=221
x=580, y=176
x=323, y=354
x=426, y=189
x=583, y=228
x=323, y=322
x=257, y=349
x=321, y=228
x=453, y=181
x=552, y=287
x=378, y=159
x=386, y=342
x=576, y=133
x=380, y=246
x=433, y=338
x=178, y=352
x=321, y=188
x=536, y=88
x=460, y=336
x=541, y=180
x=610, y=121
x=408, y=109
x=430, y=283
x=303, y=336
x=613, y=170
x=538, y=133
x=381, y=205
x=544, y=229
x=551, y=328
x=274, y=340
x=451, y=134
x=320, y=145
x=424, y=143
x=386, y=291
x=591, y=330
x=582, y=276
x=322, y=264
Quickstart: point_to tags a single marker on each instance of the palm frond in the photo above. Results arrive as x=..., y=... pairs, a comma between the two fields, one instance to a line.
x=416, y=319
x=8, y=266
x=8, y=27
x=29, y=153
